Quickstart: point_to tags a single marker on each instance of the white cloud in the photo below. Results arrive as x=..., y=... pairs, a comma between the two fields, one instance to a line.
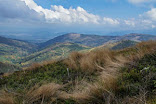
x=60, y=14
x=153, y=26
x=148, y=19
x=129, y=22
x=151, y=14
x=110, y=21
x=141, y=1
x=28, y=10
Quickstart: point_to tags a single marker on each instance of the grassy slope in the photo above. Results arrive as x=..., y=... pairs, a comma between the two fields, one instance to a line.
x=117, y=45
x=124, y=44
x=94, y=78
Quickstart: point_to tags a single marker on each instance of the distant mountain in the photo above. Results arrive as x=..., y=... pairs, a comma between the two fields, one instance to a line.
x=124, y=44
x=17, y=43
x=96, y=40
x=117, y=45
x=12, y=50
x=24, y=53
x=53, y=52
x=88, y=40
x=138, y=37
x=8, y=68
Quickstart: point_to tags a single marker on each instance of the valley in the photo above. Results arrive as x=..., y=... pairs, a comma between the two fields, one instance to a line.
x=24, y=54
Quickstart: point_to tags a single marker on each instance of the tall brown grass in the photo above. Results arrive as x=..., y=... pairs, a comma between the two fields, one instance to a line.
x=94, y=61
x=6, y=98
x=107, y=63
x=42, y=93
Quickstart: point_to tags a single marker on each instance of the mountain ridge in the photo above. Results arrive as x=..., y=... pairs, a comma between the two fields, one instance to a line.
x=14, y=51
x=96, y=40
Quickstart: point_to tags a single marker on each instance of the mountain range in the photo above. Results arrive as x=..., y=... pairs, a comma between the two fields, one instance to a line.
x=96, y=40
x=23, y=53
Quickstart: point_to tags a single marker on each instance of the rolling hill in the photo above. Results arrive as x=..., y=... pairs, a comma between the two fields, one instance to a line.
x=53, y=52
x=18, y=43
x=23, y=53
x=138, y=37
x=11, y=50
x=96, y=40
x=88, y=40
x=117, y=45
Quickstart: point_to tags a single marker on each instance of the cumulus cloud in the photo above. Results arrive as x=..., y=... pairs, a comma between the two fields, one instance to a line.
x=110, y=21
x=151, y=14
x=149, y=18
x=28, y=10
x=60, y=14
x=130, y=22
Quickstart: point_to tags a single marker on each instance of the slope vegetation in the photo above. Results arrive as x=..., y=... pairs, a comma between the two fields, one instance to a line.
x=11, y=50
x=124, y=76
x=8, y=68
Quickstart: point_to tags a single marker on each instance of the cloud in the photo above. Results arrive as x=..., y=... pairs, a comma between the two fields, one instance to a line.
x=130, y=23
x=151, y=14
x=141, y=1
x=27, y=11
x=60, y=14
x=148, y=18
x=15, y=9
x=110, y=21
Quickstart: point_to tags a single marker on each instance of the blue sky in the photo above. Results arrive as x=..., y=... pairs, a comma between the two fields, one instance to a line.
x=107, y=8
x=82, y=16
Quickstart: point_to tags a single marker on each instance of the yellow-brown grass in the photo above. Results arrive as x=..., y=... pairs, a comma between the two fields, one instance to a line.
x=6, y=98
x=107, y=63
x=39, y=94
x=74, y=60
x=94, y=61
x=103, y=89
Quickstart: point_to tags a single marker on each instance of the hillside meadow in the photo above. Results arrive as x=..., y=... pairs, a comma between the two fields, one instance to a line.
x=126, y=76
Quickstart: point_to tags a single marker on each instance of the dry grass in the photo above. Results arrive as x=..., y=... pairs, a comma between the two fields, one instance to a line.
x=86, y=93
x=6, y=98
x=95, y=61
x=107, y=63
x=74, y=60
x=42, y=93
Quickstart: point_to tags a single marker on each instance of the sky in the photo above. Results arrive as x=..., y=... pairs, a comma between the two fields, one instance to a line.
x=24, y=17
